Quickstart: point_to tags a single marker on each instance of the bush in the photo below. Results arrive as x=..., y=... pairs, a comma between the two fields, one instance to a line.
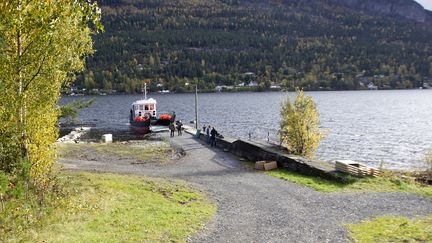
x=23, y=203
x=428, y=160
x=300, y=122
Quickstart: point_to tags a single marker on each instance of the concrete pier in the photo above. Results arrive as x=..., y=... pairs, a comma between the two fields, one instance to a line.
x=255, y=150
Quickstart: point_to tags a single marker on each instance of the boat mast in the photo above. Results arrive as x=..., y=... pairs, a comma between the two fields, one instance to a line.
x=145, y=91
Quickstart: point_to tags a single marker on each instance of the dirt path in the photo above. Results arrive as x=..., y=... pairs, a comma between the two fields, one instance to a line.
x=254, y=207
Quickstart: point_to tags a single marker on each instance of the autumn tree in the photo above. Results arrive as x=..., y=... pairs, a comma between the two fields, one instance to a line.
x=299, y=127
x=42, y=43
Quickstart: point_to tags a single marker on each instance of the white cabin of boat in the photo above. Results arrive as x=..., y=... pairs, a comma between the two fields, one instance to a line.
x=145, y=106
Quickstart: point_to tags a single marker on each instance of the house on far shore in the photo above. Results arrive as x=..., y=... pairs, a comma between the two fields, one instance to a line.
x=253, y=84
x=275, y=86
x=372, y=86
x=221, y=88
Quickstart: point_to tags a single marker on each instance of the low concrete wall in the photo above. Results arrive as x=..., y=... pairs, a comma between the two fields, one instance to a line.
x=223, y=143
x=256, y=151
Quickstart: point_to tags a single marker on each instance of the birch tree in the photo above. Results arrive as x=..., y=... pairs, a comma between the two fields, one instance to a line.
x=299, y=127
x=42, y=43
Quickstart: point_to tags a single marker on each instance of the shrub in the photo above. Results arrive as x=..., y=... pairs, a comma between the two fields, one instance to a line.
x=299, y=126
x=428, y=160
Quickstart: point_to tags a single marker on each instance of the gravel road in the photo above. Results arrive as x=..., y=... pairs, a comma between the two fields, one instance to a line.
x=254, y=207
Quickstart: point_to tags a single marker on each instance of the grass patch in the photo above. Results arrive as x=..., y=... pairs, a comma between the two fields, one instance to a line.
x=387, y=183
x=392, y=229
x=118, y=208
x=159, y=151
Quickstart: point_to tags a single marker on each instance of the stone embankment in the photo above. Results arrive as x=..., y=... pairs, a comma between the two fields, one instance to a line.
x=254, y=150
x=74, y=136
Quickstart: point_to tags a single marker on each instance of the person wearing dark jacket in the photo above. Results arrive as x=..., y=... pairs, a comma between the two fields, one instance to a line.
x=213, y=134
x=179, y=128
x=172, y=129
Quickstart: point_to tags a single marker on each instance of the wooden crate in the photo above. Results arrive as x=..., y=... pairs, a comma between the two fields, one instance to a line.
x=265, y=165
x=270, y=165
x=259, y=165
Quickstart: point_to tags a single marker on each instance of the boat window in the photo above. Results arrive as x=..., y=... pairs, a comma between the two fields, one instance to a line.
x=146, y=107
x=141, y=107
x=151, y=107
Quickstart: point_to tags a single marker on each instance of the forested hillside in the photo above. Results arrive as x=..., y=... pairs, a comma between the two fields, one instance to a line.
x=313, y=44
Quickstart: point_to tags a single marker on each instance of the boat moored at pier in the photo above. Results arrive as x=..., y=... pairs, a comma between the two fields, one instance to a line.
x=143, y=115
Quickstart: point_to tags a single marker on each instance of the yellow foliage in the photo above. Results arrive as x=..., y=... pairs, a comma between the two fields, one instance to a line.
x=300, y=122
x=42, y=44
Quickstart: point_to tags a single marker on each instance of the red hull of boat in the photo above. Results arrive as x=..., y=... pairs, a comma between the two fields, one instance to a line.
x=140, y=130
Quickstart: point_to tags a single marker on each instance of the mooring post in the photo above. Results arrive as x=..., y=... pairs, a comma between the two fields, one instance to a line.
x=250, y=135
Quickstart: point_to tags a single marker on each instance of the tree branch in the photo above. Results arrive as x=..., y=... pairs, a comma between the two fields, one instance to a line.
x=26, y=48
x=35, y=75
x=38, y=71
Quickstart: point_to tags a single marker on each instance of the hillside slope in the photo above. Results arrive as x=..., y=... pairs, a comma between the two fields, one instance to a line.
x=406, y=9
x=314, y=44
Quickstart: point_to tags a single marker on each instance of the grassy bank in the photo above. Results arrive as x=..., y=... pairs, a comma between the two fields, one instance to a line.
x=144, y=151
x=107, y=207
x=387, y=183
x=392, y=229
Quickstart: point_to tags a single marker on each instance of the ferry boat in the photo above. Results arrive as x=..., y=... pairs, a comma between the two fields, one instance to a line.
x=143, y=115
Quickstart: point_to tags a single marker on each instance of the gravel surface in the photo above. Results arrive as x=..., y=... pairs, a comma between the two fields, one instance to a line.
x=254, y=207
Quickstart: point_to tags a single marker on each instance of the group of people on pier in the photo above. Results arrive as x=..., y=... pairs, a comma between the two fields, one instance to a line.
x=211, y=134
x=208, y=130
x=176, y=125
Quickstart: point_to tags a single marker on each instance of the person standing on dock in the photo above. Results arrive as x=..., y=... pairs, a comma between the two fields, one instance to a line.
x=208, y=134
x=172, y=129
x=213, y=134
x=173, y=117
x=179, y=128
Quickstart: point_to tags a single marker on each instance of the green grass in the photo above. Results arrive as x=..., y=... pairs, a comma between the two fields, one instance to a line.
x=118, y=208
x=159, y=152
x=392, y=229
x=387, y=183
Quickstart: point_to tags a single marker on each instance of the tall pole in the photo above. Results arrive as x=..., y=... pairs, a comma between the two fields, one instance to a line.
x=145, y=91
x=196, y=106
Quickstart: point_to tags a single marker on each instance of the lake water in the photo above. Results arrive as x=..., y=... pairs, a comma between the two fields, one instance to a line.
x=388, y=127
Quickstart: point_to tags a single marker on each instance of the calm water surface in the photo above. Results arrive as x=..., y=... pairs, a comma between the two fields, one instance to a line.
x=389, y=127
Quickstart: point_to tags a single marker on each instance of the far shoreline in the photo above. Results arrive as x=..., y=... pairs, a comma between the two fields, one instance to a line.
x=233, y=91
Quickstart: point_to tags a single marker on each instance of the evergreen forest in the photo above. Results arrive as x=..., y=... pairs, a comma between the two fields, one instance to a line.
x=316, y=45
